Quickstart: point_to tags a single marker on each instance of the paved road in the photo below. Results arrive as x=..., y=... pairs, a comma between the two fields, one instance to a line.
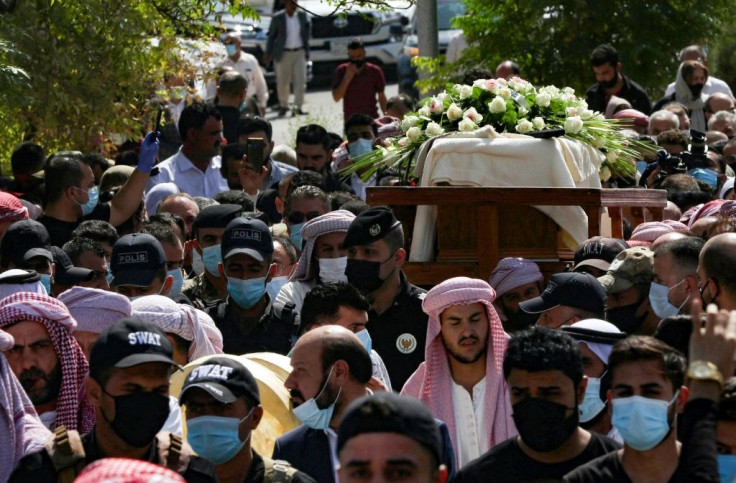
x=321, y=110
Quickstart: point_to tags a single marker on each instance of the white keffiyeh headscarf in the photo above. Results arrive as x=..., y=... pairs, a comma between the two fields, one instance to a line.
x=183, y=320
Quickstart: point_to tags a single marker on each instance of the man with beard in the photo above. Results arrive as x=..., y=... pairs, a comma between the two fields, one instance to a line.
x=611, y=82
x=627, y=286
x=544, y=371
x=330, y=369
x=515, y=280
x=359, y=84
x=196, y=167
x=47, y=359
x=460, y=380
x=314, y=153
x=397, y=324
x=717, y=272
x=128, y=385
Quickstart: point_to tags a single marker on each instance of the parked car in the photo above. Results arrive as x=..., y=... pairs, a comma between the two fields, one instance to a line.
x=447, y=10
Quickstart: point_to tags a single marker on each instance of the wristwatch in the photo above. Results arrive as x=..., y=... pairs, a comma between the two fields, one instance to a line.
x=704, y=371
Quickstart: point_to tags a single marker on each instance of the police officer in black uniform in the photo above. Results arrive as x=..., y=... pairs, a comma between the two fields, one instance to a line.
x=397, y=324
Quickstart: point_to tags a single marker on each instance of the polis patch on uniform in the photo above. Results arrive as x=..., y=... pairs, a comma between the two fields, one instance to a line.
x=406, y=343
x=243, y=234
x=132, y=257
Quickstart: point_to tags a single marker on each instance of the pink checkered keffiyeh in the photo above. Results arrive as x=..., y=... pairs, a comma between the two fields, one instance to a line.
x=710, y=208
x=183, y=320
x=73, y=410
x=728, y=209
x=432, y=381
x=514, y=272
x=21, y=432
x=338, y=220
x=123, y=470
x=11, y=208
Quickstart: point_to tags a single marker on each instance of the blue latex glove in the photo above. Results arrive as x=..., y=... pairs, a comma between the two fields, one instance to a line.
x=149, y=149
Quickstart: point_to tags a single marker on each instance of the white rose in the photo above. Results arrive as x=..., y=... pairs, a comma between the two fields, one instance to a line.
x=501, y=81
x=473, y=115
x=573, y=125
x=466, y=91
x=524, y=126
x=498, y=104
x=523, y=111
x=409, y=122
x=599, y=142
x=605, y=173
x=572, y=111
x=436, y=106
x=441, y=97
x=425, y=111
x=480, y=83
x=504, y=92
x=538, y=123
x=587, y=114
x=434, y=129
x=491, y=85
x=403, y=142
x=611, y=156
x=454, y=112
x=543, y=99
x=414, y=133
x=466, y=125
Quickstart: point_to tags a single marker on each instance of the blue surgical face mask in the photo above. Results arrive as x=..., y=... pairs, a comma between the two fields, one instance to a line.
x=359, y=147
x=727, y=467
x=231, y=49
x=641, y=166
x=46, y=282
x=311, y=415
x=216, y=438
x=93, y=195
x=592, y=404
x=365, y=339
x=109, y=276
x=295, y=235
x=706, y=175
x=641, y=421
x=212, y=257
x=659, y=296
x=274, y=286
x=246, y=293
x=178, y=282
x=197, y=263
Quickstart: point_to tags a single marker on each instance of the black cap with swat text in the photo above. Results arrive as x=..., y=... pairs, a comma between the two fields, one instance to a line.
x=129, y=342
x=223, y=378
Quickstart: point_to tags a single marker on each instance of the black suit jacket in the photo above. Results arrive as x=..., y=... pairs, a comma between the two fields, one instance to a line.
x=308, y=450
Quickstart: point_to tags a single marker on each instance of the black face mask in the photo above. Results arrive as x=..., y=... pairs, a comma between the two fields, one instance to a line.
x=610, y=84
x=364, y=275
x=542, y=424
x=696, y=89
x=138, y=417
x=358, y=63
x=624, y=318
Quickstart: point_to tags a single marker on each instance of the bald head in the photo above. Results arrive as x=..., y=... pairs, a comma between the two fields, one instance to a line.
x=718, y=260
x=668, y=237
x=335, y=343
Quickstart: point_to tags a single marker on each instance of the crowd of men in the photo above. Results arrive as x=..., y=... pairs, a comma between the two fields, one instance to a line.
x=115, y=277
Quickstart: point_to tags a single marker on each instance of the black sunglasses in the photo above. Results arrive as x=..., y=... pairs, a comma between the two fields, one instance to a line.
x=297, y=217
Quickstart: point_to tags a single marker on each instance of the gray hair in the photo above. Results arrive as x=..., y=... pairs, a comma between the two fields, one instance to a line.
x=664, y=115
x=721, y=116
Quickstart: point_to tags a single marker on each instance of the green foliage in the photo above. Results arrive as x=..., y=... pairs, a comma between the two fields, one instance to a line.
x=552, y=41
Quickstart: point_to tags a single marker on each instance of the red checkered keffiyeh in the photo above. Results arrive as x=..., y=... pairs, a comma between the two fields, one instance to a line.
x=431, y=383
x=73, y=410
x=11, y=208
x=123, y=470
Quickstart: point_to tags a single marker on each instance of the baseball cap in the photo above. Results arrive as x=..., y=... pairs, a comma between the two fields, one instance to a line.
x=24, y=240
x=598, y=252
x=65, y=273
x=371, y=225
x=223, y=378
x=249, y=236
x=386, y=412
x=130, y=342
x=136, y=258
x=630, y=267
x=217, y=216
x=573, y=289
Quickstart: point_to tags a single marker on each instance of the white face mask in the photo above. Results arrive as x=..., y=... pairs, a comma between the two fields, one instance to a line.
x=332, y=269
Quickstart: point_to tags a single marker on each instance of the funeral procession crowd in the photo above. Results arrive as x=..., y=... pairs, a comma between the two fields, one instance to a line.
x=211, y=306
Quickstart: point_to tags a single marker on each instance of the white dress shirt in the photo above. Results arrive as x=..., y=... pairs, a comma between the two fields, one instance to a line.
x=712, y=85
x=471, y=422
x=248, y=65
x=293, y=32
x=190, y=179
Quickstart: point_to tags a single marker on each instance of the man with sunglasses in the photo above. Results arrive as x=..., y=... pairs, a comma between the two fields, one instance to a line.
x=304, y=204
